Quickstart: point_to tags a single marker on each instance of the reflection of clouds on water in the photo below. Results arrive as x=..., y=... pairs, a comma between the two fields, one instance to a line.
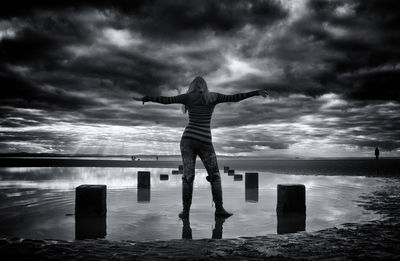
x=47, y=194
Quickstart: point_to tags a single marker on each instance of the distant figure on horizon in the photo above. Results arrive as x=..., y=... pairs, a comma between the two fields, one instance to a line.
x=196, y=139
x=376, y=153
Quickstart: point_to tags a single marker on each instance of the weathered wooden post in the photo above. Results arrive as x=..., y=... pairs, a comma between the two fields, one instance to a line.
x=90, y=211
x=251, y=187
x=143, y=179
x=238, y=177
x=90, y=200
x=291, y=208
x=291, y=198
x=252, y=180
x=143, y=186
x=164, y=177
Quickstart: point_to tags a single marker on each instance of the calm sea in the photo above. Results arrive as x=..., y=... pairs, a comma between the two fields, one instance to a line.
x=39, y=202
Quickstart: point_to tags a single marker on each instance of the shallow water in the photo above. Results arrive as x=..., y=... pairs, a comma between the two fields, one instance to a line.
x=39, y=203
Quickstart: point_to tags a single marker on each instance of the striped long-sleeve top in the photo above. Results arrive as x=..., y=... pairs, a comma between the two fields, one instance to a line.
x=200, y=113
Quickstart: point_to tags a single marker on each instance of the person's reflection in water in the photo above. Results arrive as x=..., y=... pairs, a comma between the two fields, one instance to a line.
x=216, y=232
x=186, y=230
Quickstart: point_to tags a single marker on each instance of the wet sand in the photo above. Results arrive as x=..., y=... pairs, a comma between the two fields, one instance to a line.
x=369, y=241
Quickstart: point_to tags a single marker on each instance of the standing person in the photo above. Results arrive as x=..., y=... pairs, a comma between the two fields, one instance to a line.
x=196, y=139
x=376, y=153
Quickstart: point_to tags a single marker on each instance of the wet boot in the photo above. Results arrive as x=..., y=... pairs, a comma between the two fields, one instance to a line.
x=187, y=191
x=216, y=190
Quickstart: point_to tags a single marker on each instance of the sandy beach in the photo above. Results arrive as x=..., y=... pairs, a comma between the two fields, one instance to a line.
x=369, y=241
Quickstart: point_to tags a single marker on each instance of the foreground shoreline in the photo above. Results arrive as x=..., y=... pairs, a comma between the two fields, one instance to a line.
x=369, y=241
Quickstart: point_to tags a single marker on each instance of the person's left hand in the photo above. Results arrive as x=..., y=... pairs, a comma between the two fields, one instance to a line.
x=263, y=93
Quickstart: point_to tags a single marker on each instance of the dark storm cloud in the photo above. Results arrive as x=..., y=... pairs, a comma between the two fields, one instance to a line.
x=167, y=18
x=23, y=93
x=370, y=46
x=332, y=69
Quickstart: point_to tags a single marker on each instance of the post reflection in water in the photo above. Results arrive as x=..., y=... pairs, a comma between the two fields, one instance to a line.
x=216, y=232
x=90, y=227
x=251, y=195
x=143, y=195
x=291, y=222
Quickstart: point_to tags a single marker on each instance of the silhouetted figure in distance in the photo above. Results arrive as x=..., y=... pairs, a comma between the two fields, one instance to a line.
x=376, y=153
x=196, y=139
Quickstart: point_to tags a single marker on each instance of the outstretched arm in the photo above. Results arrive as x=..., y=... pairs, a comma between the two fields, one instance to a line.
x=163, y=99
x=239, y=96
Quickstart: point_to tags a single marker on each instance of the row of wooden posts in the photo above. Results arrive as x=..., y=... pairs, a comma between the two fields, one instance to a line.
x=91, y=207
x=91, y=199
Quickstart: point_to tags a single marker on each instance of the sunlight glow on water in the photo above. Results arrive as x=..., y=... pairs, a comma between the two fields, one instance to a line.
x=37, y=203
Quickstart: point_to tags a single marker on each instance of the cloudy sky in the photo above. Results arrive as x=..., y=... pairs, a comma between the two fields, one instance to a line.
x=68, y=70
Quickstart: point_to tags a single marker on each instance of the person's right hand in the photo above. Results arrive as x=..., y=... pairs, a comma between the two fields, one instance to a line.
x=137, y=98
x=263, y=93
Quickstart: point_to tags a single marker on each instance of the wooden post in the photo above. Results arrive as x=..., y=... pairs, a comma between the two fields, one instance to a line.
x=238, y=177
x=251, y=187
x=291, y=198
x=180, y=169
x=90, y=200
x=252, y=180
x=164, y=176
x=143, y=179
x=231, y=172
x=226, y=168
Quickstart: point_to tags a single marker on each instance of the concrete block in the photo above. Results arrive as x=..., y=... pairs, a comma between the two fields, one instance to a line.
x=90, y=200
x=226, y=168
x=251, y=181
x=291, y=198
x=238, y=177
x=164, y=177
x=175, y=172
x=180, y=169
x=231, y=172
x=143, y=179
